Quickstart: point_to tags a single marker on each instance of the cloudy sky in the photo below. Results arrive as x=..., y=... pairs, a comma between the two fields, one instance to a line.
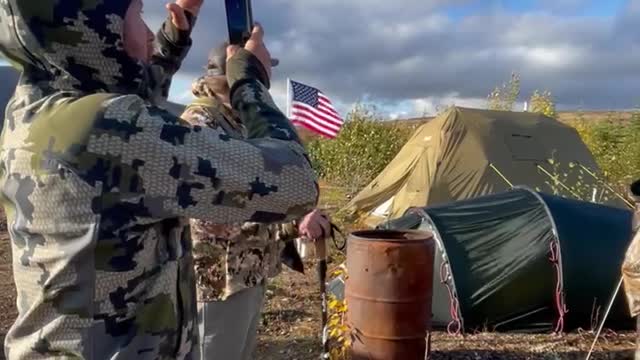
x=411, y=56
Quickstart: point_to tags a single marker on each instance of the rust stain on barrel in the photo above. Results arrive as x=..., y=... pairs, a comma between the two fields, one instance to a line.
x=388, y=292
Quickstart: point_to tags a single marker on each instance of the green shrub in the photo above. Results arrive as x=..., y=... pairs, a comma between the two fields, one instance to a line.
x=615, y=144
x=505, y=96
x=542, y=103
x=363, y=148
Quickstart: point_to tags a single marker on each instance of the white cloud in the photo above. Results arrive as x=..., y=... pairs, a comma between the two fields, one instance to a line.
x=547, y=57
x=433, y=104
x=279, y=94
x=391, y=54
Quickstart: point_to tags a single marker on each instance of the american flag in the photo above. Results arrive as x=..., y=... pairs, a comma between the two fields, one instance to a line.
x=312, y=109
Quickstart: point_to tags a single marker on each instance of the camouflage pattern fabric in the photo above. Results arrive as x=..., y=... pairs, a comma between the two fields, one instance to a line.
x=230, y=258
x=631, y=265
x=97, y=183
x=631, y=275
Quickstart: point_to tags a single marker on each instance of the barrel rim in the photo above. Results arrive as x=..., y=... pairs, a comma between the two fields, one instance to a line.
x=415, y=236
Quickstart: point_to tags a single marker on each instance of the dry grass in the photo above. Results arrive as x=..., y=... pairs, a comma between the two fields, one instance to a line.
x=291, y=330
x=595, y=116
x=544, y=346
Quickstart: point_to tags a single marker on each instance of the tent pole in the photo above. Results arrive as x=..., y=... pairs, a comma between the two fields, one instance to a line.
x=289, y=98
x=501, y=175
x=604, y=318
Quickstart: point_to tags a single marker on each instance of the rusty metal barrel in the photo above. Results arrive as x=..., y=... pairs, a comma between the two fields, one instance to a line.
x=388, y=292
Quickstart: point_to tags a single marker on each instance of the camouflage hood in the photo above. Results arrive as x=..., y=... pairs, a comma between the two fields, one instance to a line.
x=63, y=45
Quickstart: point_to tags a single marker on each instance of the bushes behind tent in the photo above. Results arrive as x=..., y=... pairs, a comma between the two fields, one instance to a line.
x=615, y=144
x=363, y=149
x=367, y=143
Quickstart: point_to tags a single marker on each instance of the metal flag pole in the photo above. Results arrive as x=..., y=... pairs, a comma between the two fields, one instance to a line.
x=321, y=253
x=288, y=98
x=300, y=245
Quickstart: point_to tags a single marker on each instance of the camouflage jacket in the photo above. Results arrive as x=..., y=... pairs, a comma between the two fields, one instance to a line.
x=97, y=183
x=229, y=258
x=631, y=264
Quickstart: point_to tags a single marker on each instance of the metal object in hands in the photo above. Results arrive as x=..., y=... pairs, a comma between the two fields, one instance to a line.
x=321, y=253
x=291, y=258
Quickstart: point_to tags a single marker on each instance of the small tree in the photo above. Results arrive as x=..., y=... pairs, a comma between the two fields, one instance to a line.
x=542, y=103
x=504, y=97
x=362, y=149
x=615, y=145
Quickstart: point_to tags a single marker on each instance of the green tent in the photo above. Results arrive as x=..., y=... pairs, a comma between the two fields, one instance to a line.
x=514, y=261
x=465, y=153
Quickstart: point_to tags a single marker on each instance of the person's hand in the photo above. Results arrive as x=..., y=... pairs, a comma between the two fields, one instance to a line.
x=256, y=46
x=315, y=226
x=177, y=9
x=193, y=6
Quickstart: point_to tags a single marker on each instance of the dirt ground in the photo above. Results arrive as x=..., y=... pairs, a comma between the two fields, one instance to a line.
x=7, y=289
x=291, y=326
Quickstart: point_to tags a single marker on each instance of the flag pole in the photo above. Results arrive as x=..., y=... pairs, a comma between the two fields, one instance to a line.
x=288, y=98
x=300, y=245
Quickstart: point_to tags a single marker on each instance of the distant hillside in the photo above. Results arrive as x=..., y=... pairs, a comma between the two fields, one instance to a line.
x=563, y=116
x=568, y=116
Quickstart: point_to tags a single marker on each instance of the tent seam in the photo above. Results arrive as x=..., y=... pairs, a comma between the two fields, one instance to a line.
x=556, y=259
x=454, y=301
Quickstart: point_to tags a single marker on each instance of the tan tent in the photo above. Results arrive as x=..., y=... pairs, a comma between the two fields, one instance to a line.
x=466, y=153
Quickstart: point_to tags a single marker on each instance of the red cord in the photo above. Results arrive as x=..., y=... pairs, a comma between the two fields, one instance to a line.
x=454, y=305
x=561, y=306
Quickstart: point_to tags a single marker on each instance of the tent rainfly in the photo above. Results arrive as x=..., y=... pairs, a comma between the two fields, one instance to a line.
x=466, y=153
x=524, y=261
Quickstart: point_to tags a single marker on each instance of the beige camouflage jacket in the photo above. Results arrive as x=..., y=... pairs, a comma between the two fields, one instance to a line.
x=229, y=258
x=631, y=265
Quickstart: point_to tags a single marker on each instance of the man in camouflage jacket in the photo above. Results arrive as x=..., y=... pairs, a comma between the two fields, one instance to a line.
x=97, y=183
x=233, y=262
